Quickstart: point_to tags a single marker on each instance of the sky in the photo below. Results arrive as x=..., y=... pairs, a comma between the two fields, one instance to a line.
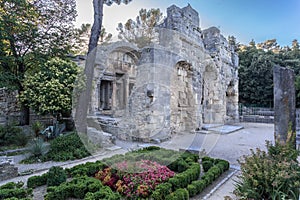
x=244, y=19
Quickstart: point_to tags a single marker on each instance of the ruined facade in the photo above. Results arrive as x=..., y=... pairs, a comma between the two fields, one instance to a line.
x=187, y=78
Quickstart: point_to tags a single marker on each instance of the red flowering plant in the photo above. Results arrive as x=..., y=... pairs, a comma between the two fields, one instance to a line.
x=135, y=179
x=140, y=178
x=108, y=177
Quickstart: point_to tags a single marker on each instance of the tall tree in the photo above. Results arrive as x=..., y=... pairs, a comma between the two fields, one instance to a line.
x=84, y=33
x=30, y=33
x=49, y=91
x=85, y=96
x=98, y=17
x=256, y=75
x=255, y=71
x=141, y=31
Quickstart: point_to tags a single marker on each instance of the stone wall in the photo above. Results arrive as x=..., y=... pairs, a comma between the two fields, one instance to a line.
x=9, y=107
x=188, y=77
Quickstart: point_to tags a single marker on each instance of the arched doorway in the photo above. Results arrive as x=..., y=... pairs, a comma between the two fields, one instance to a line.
x=214, y=109
x=182, y=105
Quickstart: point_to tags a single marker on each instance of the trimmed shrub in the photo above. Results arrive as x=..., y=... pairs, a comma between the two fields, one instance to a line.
x=183, y=179
x=225, y=165
x=66, y=147
x=104, y=193
x=192, y=190
x=200, y=185
x=206, y=158
x=12, y=185
x=190, y=156
x=207, y=165
x=216, y=171
x=161, y=191
x=56, y=176
x=209, y=177
x=179, y=194
x=86, y=169
x=81, y=187
x=13, y=190
x=36, y=181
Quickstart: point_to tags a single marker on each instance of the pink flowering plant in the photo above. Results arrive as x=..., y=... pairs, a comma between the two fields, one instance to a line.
x=136, y=178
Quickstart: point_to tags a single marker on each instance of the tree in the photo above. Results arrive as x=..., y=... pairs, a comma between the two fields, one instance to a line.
x=50, y=90
x=98, y=17
x=84, y=33
x=141, y=31
x=31, y=32
x=295, y=45
x=85, y=96
x=256, y=74
x=255, y=71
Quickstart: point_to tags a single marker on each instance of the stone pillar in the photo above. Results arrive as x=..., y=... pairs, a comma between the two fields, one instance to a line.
x=284, y=105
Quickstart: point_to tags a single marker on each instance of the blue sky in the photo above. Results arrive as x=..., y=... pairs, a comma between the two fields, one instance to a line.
x=245, y=19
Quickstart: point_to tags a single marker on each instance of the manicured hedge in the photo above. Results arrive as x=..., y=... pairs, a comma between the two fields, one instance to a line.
x=81, y=188
x=161, y=191
x=180, y=180
x=211, y=175
x=86, y=169
x=179, y=194
x=183, y=185
x=56, y=176
x=14, y=191
x=36, y=181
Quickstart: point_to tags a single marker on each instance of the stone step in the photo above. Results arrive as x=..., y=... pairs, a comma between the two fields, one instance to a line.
x=208, y=126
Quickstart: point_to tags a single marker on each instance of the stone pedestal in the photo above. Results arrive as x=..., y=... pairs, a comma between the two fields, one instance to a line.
x=284, y=104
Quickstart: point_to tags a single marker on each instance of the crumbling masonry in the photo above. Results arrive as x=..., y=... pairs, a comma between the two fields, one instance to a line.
x=187, y=78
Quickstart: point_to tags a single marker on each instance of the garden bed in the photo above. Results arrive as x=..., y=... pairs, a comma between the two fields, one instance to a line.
x=151, y=172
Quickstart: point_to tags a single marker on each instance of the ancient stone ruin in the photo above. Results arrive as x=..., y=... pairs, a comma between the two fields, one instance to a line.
x=284, y=105
x=186, y=78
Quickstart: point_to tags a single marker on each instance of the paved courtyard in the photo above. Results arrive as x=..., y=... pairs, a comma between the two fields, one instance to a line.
x=230, y=147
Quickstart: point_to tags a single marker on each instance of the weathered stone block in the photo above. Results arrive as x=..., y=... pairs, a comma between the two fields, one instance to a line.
x=284, y=103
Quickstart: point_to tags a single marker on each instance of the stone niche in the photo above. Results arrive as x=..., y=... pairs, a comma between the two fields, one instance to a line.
x=187, y=78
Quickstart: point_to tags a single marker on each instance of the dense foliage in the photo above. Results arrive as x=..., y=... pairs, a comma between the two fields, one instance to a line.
x=15, y=191
x=10, y=134
x=68, y=147
x=31, y=32
x=270, y=175
x=50, y=90
x=56, y=176
x=62, y=148
x=256, y=70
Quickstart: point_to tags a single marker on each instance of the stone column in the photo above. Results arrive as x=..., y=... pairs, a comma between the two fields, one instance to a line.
x=284, y=105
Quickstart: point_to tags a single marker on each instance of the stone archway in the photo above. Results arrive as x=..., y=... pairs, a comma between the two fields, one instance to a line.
x=182, y=105
x=214, y=108
x=115, y=74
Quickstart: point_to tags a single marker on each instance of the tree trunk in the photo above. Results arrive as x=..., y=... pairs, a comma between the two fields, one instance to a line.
x=24, y=115
x=96, y=28
x=85, y=96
